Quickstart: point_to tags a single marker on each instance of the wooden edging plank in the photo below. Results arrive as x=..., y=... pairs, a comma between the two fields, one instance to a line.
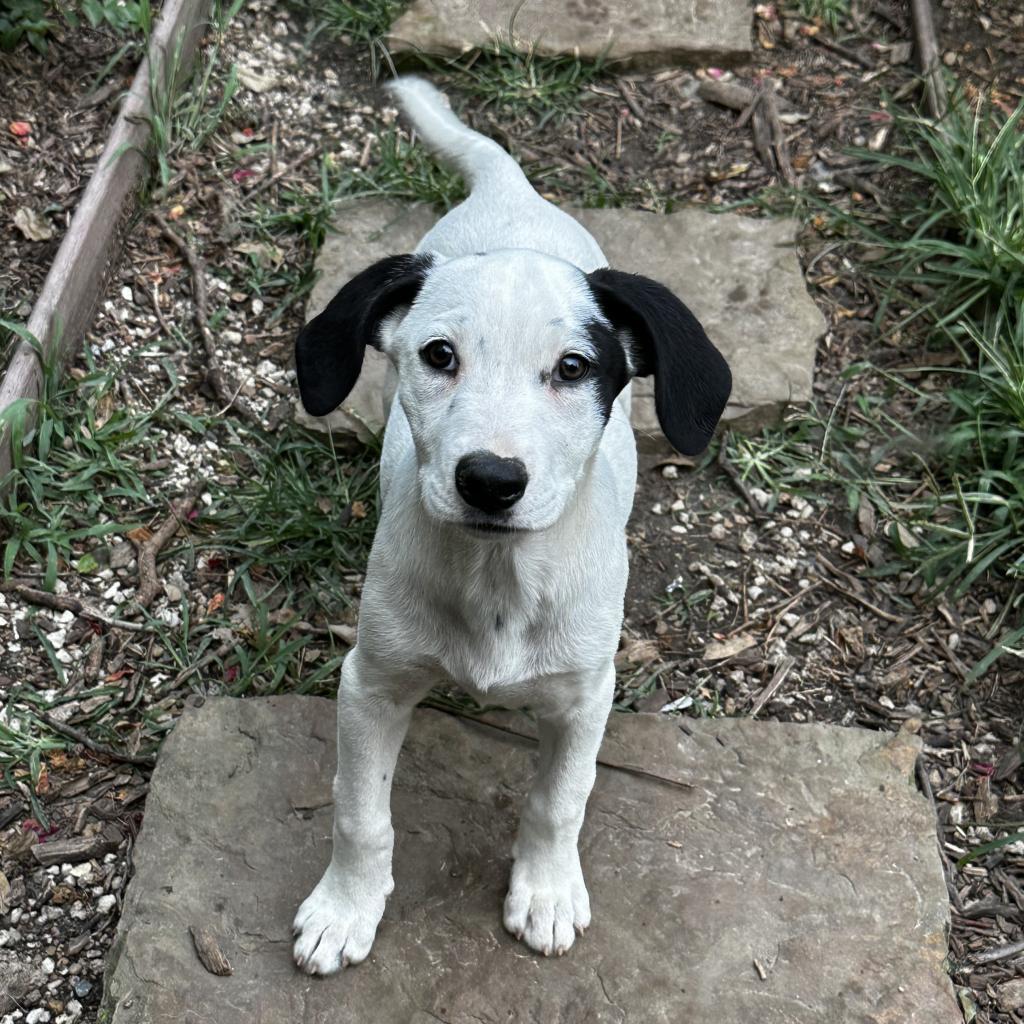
x=91, y=248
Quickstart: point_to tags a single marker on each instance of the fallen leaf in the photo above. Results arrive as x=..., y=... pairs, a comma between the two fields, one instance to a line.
x=87, y=563
x=637, y=651
x=215, y=602
x=139, y=535
x=905, y=537
x=245, y=136
x=343, y=632
x=866, y=517
x=176, y=212
x=358, y=510
x=34, y=226
x=256, y=82
x=20, y=128
x=105, y=406
x=263, y=253
x=5, y=892
x=728, y=648
x=43, y=782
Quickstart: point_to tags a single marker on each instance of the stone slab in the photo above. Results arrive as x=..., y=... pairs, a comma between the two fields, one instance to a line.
x=804, y=848
x=646, y=33
x=739, y=275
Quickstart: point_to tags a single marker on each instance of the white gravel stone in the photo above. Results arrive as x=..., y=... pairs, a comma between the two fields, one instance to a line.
x=105, y=904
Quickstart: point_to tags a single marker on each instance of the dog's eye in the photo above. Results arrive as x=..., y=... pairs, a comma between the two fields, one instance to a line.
x=572, y=367
x=439, y=354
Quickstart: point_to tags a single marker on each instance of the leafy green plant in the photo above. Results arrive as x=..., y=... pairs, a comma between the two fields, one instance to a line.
x=34, y=21
x=28, y=20
x=831, y=12
x=951, y=267
x=519, y=79
x=365, y=20
x=181, y=120
x=959, y=242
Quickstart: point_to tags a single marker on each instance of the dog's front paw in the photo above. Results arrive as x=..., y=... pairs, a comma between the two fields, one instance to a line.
x=547, y=901
x=336, y=923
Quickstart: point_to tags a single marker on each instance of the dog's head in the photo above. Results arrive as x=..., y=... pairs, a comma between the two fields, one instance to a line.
x=509, y=364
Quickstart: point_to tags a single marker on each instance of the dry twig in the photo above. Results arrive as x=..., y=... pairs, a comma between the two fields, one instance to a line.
x=276, y=176
x=209, y=951
x=229, y=396
x=64, y=603
x=149, y=583
x=142, y=760
x=843, y=51
x=737, y=481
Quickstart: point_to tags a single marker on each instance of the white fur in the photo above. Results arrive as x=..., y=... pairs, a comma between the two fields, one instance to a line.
x=529, y=618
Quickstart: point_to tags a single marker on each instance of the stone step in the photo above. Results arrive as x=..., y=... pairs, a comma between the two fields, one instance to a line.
x=739, y=871
x=739, y=275
x=644, y=33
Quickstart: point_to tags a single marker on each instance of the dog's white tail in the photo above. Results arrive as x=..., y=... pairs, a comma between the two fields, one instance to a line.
x=480, y=160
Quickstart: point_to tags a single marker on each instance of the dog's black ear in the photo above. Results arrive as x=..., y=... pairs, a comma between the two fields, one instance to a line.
x=329, y=349
x=691, y=379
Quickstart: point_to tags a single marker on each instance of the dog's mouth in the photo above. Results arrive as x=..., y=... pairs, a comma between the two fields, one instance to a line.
x=480, y=526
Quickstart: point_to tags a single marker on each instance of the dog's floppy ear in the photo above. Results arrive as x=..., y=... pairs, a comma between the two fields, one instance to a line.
x=691, y=379
x=329, y=349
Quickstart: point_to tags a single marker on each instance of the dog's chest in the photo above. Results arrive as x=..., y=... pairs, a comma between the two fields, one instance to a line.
x=500, y=628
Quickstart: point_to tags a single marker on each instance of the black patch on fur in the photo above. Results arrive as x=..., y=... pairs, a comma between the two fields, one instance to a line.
x=692, y=381
x=329, y=349
x=499, y=624
x=610, y=373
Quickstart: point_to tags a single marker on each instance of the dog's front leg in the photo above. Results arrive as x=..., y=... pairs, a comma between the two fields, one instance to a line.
x=336, y=924
x=547, y=901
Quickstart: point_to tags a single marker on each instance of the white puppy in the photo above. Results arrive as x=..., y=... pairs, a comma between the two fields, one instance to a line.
x=507, y=477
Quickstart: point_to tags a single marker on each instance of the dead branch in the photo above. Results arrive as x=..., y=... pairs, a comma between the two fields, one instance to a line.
x=737, y=481
x=276, y=176
x=149, y=583
x=778, y=678
x=142, y=760
x=769, y=109
x=64, y=603
x=228, y=396
x=842, y=51
x=928, y=57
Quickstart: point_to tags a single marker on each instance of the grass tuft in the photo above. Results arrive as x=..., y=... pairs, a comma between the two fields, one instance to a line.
x=831, y=12
x=365, y=20
x=520, y=80
x=952, y=265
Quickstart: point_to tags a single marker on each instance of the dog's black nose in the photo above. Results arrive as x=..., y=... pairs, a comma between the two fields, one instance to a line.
x=490, y=483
